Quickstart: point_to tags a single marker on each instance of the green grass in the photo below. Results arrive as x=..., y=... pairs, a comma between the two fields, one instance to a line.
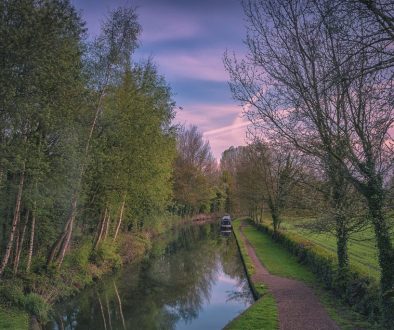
x=275, y=258
x=263, y=314
x=362, y=246
x=280, y=262
x=13, y=319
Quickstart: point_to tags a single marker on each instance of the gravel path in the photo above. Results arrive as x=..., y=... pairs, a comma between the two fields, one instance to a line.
x=298, y=306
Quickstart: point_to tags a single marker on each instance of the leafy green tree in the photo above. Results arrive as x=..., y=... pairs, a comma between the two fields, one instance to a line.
x=133, y=152
x=194, y=171
x=41, y=93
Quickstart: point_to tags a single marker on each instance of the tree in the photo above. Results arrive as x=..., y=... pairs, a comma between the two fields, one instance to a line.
x=42, y=89
x=278, y=173
x=109, y=56
x=133, y=151
x=193, y=172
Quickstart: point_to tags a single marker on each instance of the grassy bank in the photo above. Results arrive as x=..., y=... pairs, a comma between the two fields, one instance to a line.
x=279, y=261
x=264, y=311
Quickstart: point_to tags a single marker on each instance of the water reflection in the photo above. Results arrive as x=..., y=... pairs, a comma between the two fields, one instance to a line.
x=193, y=281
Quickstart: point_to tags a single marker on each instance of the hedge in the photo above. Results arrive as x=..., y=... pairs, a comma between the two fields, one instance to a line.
x=358, y=290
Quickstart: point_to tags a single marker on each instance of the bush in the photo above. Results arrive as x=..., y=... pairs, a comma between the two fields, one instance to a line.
x=35, y=305
x=11, y=294
x=355, y=288
x=133, y=247
x=80, y=256
x=106, y=256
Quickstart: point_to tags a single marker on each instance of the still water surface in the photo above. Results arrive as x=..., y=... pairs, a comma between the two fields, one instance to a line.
x=191, y=280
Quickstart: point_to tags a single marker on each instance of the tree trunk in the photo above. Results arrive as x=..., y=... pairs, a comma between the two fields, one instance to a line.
x=342, y=244
x=15, y=222
x=15, y=251
x=120, y=217
x=375, y=198
x=18, y=251
x=106, y=226
x=67, y=238
x=31, y=243
x=56, y=245
x=100, y=229
x=275, y=218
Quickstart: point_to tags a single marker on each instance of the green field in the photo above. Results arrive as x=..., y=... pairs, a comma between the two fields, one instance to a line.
x=362, y=248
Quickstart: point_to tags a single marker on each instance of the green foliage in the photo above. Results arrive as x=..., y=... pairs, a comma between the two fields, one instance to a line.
x=106, y=256
x=12, y=294
x=80, y=256
x=194, y=173
x=35, y=305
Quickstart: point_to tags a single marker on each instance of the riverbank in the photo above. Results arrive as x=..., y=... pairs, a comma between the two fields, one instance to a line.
x=278, y=262
x=33, y=294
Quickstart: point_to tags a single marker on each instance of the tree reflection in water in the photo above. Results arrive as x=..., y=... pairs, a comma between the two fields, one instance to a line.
x=196, y=272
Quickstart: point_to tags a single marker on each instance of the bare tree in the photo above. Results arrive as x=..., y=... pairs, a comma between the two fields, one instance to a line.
x=305, y=84
x=278, y=173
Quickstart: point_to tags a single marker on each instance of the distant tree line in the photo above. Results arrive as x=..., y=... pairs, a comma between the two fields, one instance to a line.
x=317, y=86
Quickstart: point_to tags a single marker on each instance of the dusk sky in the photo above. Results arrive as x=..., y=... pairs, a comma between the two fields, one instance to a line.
x=187, y=39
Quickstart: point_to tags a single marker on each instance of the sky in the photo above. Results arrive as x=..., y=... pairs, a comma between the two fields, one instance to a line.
x=186, y=40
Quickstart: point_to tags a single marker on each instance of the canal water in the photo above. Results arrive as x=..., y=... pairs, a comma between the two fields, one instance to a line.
x=191, y=280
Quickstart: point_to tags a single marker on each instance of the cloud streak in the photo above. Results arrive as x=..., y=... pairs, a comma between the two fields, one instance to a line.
x=205, y=65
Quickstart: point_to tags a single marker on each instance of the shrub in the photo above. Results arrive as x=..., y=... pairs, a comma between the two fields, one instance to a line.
x=35, y=305
x=11, y=293
x=106, y=256
x=133, y=247
x=80, y=256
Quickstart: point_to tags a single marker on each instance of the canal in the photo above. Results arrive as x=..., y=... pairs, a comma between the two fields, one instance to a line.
x=192, y=279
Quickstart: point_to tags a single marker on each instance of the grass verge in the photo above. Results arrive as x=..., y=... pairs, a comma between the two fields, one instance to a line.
x=263, y=314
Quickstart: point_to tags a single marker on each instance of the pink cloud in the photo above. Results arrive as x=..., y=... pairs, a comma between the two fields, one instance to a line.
x=208, y=116
x=206, y=65
x=210, y=119
x=222, y=138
